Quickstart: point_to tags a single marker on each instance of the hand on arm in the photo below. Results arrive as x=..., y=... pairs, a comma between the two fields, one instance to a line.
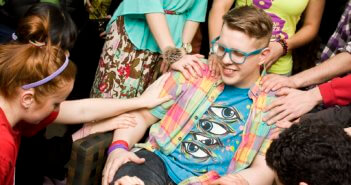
x=290, y=105
x=131, y=135
x=274, y=82
x=257, y=174
x=118, y=122
x=188, y=64
x=335, y=66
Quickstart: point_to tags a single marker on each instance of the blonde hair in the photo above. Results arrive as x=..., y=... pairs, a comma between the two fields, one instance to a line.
x=252, y=21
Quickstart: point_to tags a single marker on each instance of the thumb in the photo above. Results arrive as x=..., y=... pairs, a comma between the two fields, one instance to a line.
x=134, y=158
x=166, y=98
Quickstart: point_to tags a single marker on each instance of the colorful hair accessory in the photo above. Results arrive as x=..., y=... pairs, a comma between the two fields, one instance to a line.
x=37, y=44
x=14, y=36
x=50, y=77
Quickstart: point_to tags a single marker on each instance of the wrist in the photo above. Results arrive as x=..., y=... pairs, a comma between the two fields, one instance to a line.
x=284, y=45
x=316, y=95
x=296, y=82
x=118, y=144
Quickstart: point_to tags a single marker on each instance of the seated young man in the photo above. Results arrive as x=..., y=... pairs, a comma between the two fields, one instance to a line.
x=312, y=153
x=212, y=130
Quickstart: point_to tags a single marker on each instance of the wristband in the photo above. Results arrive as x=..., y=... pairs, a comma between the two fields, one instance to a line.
x=122, y=142
x=284, y=45
x=118, y=144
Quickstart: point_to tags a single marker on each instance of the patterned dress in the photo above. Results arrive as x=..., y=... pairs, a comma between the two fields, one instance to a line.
x=131, y=59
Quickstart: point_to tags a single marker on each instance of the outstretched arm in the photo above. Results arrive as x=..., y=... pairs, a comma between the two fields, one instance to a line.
x=96, y=109
x=334, y=66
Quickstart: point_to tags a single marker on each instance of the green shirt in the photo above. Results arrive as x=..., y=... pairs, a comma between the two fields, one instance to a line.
x=50, y=1
x=285, y=15
x=137, y=28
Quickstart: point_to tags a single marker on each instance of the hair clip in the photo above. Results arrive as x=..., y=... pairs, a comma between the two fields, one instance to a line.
x=37, y=44
x=14, y=36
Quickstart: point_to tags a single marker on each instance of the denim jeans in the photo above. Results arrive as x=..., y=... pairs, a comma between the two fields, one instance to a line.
x=152, y=171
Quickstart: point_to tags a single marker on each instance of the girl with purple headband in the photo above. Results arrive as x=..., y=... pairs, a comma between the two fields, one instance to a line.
x=35, y=79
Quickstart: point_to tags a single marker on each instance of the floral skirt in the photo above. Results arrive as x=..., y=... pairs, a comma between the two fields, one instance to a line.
x=123, y=71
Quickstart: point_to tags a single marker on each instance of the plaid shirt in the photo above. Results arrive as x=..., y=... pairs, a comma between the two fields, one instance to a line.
x=340, y=41
x=190, y=101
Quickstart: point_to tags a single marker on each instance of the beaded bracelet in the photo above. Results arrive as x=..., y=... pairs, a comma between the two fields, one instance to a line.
x=118, y=144
x=284, y=45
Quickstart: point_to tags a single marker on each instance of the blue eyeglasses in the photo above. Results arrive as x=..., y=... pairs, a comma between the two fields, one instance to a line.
x=236, y=56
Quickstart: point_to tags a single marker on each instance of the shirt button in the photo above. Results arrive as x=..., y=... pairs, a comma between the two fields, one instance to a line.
x=179, y=138
x=196, y=117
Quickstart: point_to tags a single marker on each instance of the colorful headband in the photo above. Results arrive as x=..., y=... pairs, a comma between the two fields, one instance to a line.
x=47, y=79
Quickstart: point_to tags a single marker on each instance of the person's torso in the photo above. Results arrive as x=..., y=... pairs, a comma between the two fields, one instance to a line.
x=176, y=12
x=9, y=144
x=285, y=16
x=212, y=142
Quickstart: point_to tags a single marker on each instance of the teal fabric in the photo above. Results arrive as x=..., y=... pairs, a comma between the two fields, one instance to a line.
x=137, y=28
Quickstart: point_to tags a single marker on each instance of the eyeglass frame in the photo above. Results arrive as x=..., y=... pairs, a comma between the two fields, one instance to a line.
x=229, y=50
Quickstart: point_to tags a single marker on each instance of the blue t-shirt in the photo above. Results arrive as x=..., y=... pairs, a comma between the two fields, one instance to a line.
x=212, y=142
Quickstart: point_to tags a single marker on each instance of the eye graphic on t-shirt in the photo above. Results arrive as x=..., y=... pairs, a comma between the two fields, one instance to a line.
x=195, y=150
x=228, y=114
x=206, y=140
x=214, y=128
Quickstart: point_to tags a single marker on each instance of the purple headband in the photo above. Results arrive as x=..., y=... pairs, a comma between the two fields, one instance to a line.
x=47, y=79
x=50, y=77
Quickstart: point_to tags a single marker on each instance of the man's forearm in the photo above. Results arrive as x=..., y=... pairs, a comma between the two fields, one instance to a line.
x=133, y=135
x=335, y=66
